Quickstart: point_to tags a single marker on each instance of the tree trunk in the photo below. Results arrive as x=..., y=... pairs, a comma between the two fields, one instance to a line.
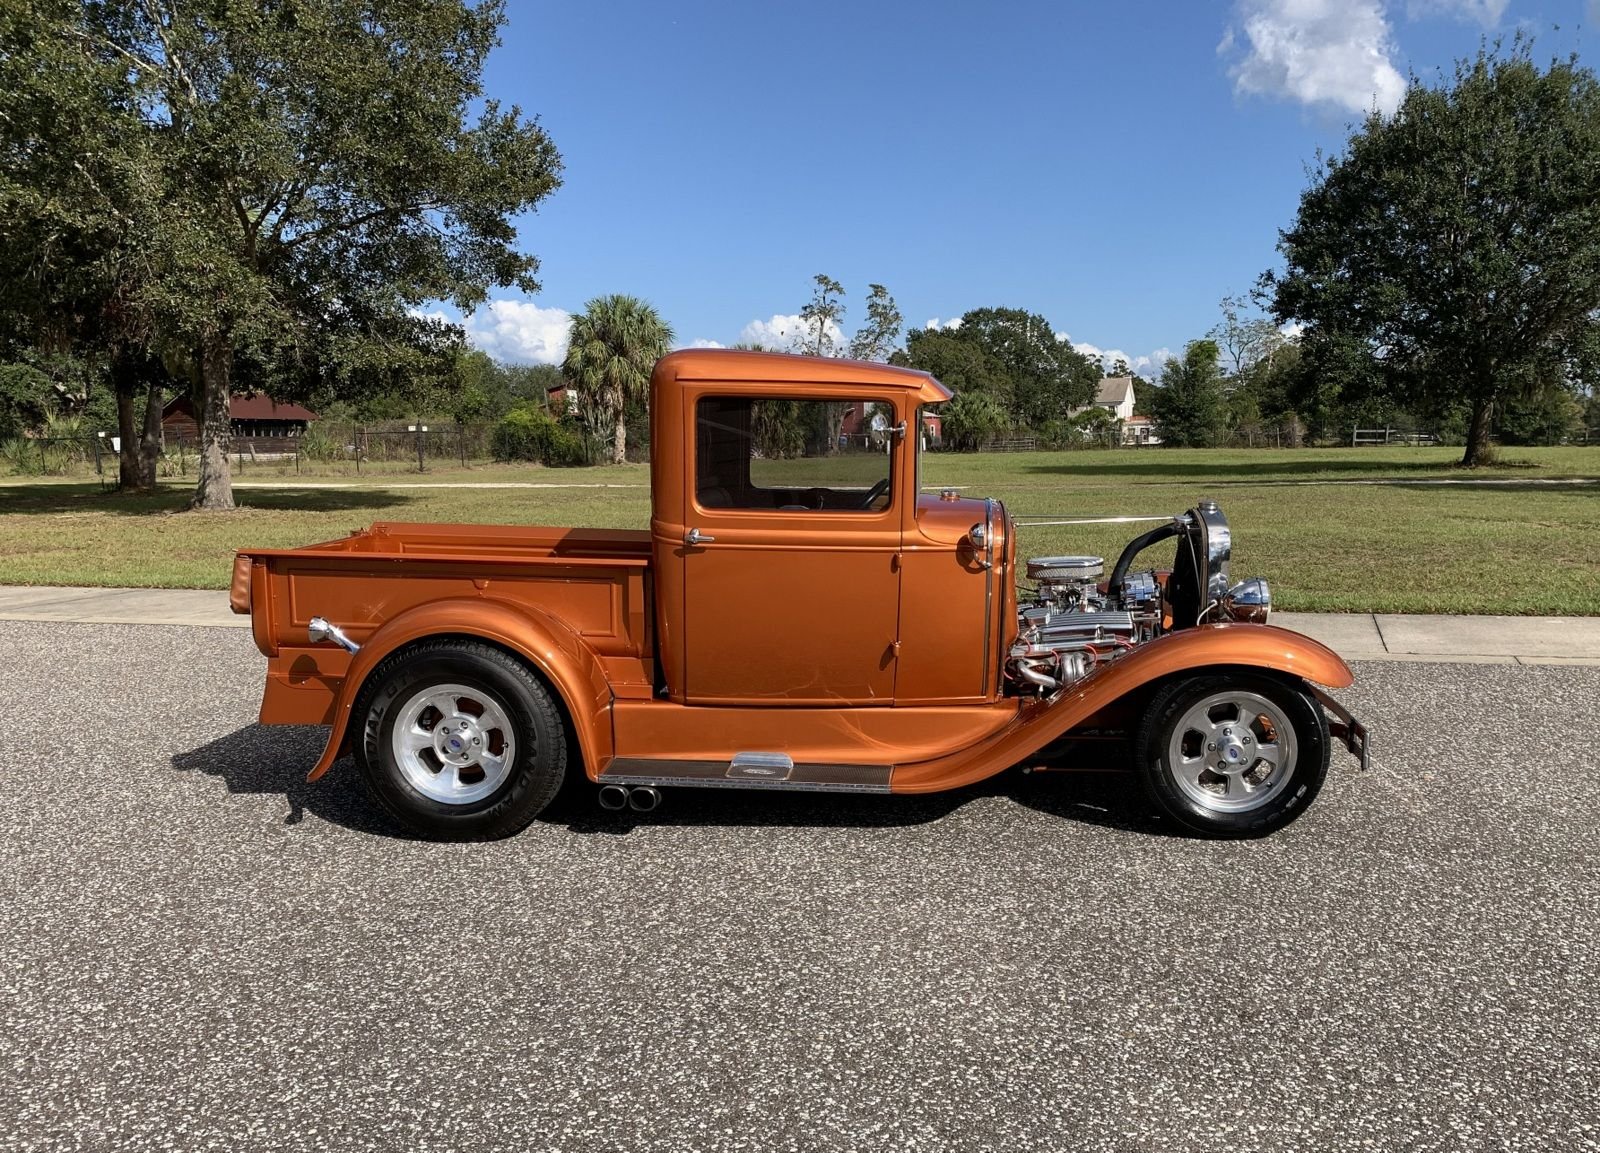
x=214, y=489
x=1478, y=432
x=150, y=441
x=619, y=445
x=135, y=373
x=127, y=436
x=834, y=413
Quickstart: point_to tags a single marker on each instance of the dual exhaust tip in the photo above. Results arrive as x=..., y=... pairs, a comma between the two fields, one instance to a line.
x=641, y=798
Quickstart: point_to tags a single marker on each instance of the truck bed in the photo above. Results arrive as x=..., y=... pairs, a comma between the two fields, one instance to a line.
x=595, y=581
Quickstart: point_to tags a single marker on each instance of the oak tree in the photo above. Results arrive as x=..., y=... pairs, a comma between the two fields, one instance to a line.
x=325, y=168
x=1457, y=241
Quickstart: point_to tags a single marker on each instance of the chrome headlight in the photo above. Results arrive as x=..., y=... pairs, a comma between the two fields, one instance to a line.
x=1249, y=601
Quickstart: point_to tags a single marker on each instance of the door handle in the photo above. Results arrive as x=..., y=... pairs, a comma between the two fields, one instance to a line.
x=695, y=537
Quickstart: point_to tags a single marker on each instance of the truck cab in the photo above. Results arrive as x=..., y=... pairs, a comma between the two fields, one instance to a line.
x=807, y=573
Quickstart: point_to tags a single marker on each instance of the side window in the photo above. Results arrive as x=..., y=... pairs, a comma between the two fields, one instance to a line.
x=793, y=455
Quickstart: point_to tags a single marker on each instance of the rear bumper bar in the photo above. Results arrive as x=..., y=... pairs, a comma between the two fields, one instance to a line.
x=1346, y=728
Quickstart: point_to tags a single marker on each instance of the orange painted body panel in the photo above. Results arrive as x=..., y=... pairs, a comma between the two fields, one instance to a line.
x=838, y=637
x=837, y=736
x=780, y=608
x=1207, y=648
x=574, y=603
x=947, y=656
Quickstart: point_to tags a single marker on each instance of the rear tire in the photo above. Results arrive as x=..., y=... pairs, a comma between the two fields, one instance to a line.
x=459, y=741
x=1234, y=754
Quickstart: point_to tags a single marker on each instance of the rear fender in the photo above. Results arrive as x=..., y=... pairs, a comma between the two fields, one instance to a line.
x=544, y=641
x=1208, y=648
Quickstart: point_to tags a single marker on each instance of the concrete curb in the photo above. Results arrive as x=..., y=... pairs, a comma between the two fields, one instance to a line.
x=1354, y=636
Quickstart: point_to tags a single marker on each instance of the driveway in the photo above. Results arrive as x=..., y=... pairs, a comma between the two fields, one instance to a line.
x=200, y=950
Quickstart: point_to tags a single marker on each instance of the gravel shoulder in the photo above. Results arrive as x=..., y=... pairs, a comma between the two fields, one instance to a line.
x=204, y=951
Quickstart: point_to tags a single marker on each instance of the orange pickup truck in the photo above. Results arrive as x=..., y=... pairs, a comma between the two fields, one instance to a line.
x=799, y=615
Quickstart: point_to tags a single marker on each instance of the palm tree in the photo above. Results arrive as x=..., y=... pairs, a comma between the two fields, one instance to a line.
x=615, y=342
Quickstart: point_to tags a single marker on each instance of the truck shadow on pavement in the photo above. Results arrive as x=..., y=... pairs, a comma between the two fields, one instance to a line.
x=268, y=759
x=271, y=759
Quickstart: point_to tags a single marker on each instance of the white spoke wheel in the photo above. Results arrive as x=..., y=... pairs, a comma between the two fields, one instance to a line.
x=459, y=740
x=1233, y=755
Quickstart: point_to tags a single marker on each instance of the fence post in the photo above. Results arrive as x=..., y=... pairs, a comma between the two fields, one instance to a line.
x=356, y=440
x=461, y=439
x=421, y=432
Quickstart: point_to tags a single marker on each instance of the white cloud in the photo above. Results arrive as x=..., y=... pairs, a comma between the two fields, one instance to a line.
x=702, y=342
x=1320, y=52
x=955, y=322
x=518, y=332
x=1485, y=12
x=1291, y=329
x=785, y=333
x=1146, y=365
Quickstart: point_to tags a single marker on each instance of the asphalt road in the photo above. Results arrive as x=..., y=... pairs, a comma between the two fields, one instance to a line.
x=200, y=951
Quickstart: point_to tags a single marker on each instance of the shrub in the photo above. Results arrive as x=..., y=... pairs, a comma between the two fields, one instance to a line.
x=971, y=419
x=529, y=433
x=317, y=443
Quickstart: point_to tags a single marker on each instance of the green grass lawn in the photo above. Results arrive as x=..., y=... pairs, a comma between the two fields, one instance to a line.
x=1332, y=529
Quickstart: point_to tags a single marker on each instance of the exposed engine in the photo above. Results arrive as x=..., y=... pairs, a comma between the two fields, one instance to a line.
x=1074, y=619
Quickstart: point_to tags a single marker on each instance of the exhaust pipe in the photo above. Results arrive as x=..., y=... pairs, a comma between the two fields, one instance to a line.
x=644, y=799
x=613, y=798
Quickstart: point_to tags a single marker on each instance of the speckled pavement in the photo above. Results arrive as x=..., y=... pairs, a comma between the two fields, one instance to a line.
x=200, y=951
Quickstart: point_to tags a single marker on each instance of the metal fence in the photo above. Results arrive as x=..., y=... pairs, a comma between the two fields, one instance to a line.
x=1387, y=436
x=358, y=448
x=353, y=448
x=340, y=448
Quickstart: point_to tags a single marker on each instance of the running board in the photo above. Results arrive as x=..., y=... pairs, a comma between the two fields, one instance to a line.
x=748, y=771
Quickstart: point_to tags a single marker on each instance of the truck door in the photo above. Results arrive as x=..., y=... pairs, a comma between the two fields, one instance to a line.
x=791, y=578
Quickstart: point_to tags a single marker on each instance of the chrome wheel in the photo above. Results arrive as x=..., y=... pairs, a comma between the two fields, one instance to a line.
x=454, y=744
x=1232, y=752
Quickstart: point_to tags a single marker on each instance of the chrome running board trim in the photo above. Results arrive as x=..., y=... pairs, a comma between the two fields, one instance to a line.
x=737, y=774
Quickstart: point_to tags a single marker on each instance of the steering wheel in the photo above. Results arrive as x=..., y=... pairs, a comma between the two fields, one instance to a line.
x=875, y=492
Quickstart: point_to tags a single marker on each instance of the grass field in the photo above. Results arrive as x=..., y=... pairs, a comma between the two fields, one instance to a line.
x=1343, y=530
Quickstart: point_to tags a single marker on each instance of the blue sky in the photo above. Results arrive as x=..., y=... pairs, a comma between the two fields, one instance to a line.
x=1117, y=167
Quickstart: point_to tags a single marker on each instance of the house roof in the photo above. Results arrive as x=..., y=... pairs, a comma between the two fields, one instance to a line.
x=260, y=407
x=242, y=406
x=1113, y=390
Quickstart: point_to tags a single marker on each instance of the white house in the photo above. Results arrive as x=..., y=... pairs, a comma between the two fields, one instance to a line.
x=1115, y=395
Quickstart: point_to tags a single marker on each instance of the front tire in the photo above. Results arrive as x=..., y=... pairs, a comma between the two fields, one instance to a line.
x=1233, y=755
x=459, y=741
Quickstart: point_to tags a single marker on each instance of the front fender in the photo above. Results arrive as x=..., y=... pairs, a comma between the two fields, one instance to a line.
x=543, y=640
x=1196, y=650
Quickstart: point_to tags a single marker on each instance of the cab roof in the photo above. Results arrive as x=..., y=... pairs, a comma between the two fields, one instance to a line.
x=698, y=365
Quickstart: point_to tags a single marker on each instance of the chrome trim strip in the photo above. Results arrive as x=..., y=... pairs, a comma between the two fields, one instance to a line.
x=1031, y=520
x=739, y=783
x=988, y=590
x=760, y=766
x=720, y=775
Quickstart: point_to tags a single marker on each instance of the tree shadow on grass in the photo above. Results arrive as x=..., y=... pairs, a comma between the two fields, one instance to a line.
x=1531, y=488
x=1232, y=468
x=60, y=499
x=274, y=759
